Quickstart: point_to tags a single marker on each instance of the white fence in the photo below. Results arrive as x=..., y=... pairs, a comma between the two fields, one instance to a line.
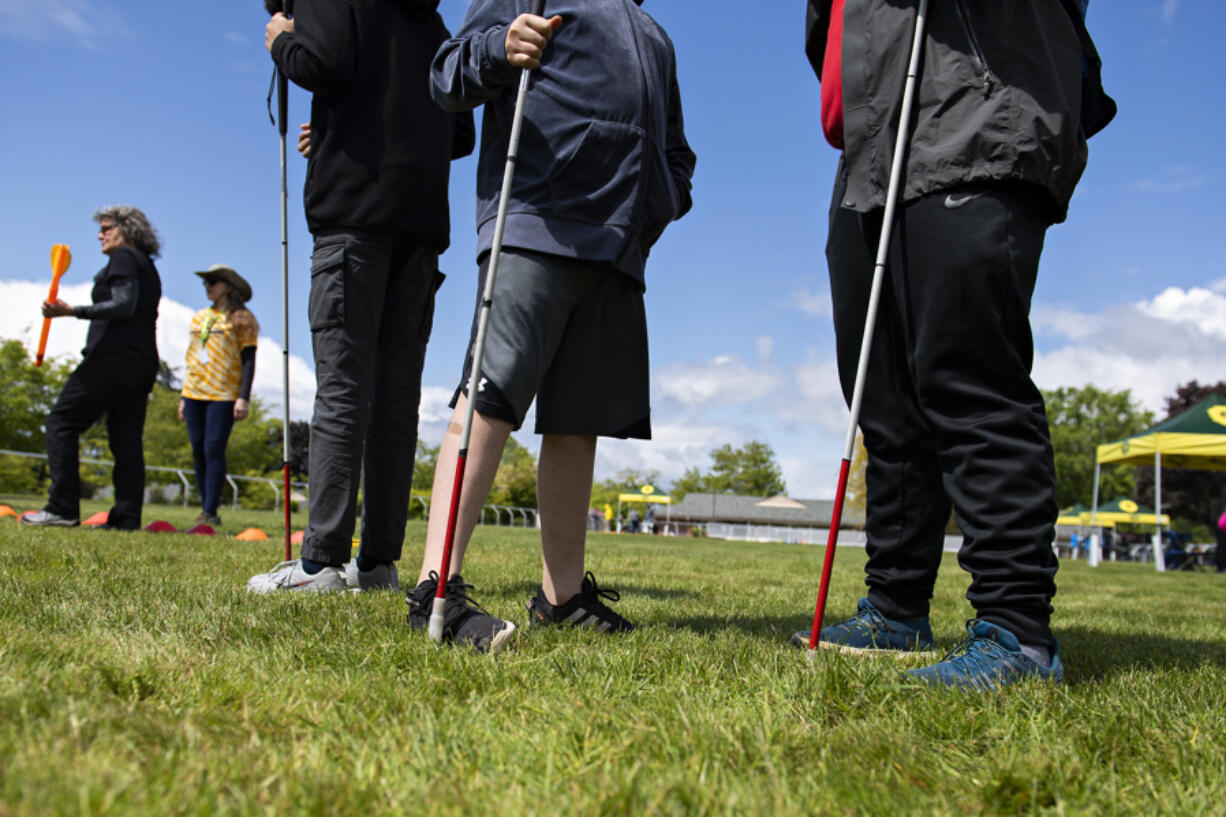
x=799, y=536
x=525, y=517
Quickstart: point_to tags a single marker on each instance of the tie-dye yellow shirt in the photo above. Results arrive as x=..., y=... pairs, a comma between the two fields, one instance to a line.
x=214, y=367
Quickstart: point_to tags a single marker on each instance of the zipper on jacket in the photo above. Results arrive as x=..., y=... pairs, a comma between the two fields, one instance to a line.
x=981, y=64
x=640, y=193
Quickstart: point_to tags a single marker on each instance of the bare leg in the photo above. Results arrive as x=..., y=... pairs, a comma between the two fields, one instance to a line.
x=564, y=492
x=485, y=444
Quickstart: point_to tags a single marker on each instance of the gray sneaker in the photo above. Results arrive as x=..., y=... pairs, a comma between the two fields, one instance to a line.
x=464, y=621
x=291, y=576
x=46, y=519
x=382, y=576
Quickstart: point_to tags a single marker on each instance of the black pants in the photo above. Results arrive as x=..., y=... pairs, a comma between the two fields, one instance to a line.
x=950, y=414
x=371, y=311
x=116, y=386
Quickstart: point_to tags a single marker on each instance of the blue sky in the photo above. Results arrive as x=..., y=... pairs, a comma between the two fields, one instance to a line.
x=162, y=106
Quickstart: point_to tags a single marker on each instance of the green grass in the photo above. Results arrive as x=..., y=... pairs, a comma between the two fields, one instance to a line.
x=138, y=677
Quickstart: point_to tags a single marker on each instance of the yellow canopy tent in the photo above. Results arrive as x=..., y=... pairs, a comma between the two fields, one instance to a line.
x=648, y=496
x=1194, y=439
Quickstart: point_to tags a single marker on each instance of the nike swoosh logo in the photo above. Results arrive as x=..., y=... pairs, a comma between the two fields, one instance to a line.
x=953, y=202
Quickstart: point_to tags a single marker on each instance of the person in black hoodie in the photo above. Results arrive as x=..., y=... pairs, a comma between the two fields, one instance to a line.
x=118, y=368
x=376, y=203
x=603, y=167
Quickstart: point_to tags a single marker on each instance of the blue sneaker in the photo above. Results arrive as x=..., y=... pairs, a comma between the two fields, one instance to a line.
x=990, y=658
x=868, y=632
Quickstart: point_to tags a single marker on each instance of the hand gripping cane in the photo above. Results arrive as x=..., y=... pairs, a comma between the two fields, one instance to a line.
x=483, y=321
x=883, y=246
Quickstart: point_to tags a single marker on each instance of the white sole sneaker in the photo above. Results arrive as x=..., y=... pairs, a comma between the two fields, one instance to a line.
x=291, y=576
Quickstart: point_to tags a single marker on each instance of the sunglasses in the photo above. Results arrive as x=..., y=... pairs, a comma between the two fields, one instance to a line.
x=106, y=228
x=208, y=282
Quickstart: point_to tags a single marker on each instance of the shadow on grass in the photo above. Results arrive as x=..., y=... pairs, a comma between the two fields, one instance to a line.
x=529, y=588
x=775, y=628
x=1091, y=655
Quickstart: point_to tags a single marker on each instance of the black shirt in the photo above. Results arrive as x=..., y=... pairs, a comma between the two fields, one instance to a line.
x=123, y=317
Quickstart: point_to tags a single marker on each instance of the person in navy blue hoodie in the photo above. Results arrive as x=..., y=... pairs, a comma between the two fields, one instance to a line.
x=603, y=167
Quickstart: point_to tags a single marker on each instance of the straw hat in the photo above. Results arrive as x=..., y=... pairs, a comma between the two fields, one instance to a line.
x=224, y=273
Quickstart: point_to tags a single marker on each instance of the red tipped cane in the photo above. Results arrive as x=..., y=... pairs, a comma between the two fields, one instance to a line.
x=483, y=320
x=286, y=7
x=883, y=246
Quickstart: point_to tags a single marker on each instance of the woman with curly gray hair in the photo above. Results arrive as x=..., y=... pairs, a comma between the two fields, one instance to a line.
x=117, y=372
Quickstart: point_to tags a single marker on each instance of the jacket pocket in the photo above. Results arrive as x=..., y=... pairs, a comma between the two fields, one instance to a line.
x=326, y=303
x=596, y=182
x=660, y=202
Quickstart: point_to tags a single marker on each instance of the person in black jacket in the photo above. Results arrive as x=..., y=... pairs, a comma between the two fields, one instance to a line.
x=118, y=368
x=379, y=151
x=1008, y=94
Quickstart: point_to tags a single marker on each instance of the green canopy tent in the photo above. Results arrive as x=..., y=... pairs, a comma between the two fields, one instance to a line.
x=1194, y=439
x=1074, y=517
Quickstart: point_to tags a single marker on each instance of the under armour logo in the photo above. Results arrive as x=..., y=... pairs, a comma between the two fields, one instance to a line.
x=481, y=385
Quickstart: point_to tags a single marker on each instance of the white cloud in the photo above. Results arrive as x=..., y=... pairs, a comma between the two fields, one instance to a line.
x=1173, y=179
x=1169, y=8
x=812, y=303
x=766, y=348
x=236, y=38
x=816, y=400
x=1149, y=347
x=1203, y=308
x=674, y=447
x=89, y=22
x=1067, y=323
x=722, y=381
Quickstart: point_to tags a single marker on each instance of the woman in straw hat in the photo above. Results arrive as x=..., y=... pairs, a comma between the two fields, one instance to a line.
x=217, y=388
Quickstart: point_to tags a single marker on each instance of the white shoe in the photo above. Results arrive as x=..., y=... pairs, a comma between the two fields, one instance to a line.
x=46, y=519
x=291, y=576
x=381, y=577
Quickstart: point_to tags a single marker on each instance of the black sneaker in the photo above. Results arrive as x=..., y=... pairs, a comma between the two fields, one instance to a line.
x=464, y=621
x=585, y=609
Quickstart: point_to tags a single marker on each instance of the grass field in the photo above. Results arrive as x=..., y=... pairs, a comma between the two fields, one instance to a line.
x=137, y=677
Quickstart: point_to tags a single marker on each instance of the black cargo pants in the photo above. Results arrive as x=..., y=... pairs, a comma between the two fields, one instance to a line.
x=371, y=311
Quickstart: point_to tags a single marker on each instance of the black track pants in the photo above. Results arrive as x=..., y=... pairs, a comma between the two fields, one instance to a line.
x=115, y=386
x=949, y=411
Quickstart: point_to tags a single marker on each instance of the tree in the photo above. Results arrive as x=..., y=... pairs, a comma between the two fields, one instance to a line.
x=515, y=482
x=857, y=486
x=750, y=470
x=424, y=465
x=1195, y=497
x=1081, y=419
x=27, y=393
